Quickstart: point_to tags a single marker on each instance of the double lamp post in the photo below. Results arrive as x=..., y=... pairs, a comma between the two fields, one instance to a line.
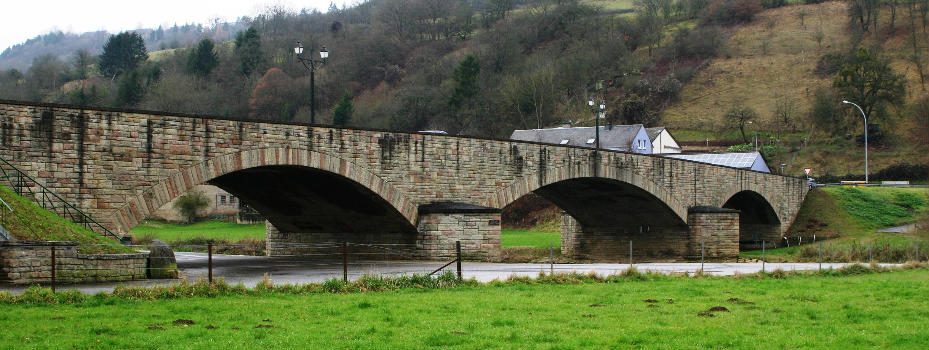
x=310, y=64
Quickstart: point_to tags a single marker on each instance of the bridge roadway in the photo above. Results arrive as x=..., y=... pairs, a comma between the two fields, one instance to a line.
x=317, y=183
x=250, y=270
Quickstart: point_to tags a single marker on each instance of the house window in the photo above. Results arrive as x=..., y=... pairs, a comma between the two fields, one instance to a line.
x=590, y=141
x=564, y=142
x=222, y=199
x=231, y=199
x=641, y=144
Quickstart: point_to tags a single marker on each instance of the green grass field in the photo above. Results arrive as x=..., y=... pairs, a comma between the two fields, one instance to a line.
x=806, y=312
x=512, y=238
x=218, y=230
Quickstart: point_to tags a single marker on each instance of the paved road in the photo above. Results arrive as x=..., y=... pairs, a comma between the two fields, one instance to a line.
x=250, y=270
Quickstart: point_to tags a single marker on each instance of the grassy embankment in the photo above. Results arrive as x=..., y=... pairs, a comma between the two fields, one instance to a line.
x=30, y=222
x=642, y=311
x=849, y=218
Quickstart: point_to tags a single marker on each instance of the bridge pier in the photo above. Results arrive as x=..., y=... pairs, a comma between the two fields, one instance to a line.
x=717, y=228
x=441, y=224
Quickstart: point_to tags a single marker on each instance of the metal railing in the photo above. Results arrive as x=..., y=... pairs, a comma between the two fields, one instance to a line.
x=24, y=185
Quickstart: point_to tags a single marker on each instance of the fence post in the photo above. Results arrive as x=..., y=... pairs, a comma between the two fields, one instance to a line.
x=702, y=254
x=551, y=258
x=53, y=268
x=871, y=253
x=209, y=249
x=762, y=256
x=820, y=256
x=345, y=261
x=630, y=253
x=458, y=257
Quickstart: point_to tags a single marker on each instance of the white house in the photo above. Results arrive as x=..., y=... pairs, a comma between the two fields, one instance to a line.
x=626, y=138
x=662, y=141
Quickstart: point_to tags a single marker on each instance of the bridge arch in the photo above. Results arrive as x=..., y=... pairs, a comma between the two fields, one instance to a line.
x=298, y=161
x=758, y=220
x=533, y=182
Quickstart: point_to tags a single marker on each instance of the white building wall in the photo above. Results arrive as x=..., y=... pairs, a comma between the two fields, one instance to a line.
x=664, y=143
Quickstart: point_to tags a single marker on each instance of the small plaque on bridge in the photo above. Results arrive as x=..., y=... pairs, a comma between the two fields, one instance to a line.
x=494, y=222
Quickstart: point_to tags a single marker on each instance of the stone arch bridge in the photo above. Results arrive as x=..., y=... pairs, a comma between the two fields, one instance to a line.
x=318, y=183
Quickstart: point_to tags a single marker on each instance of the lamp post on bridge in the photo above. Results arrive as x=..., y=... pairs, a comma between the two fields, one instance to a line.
x=600, y=114
x=310, y=65
x=865, y=138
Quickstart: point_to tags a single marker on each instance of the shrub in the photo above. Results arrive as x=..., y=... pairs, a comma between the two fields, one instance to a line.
x=190, y=204
x=731, y=11
x=770, y=4
x=830, y=63
x=855, y=269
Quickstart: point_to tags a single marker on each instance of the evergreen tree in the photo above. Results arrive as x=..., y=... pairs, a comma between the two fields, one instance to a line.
x=122, y=53
x=248, y=48
x=342, y=114
x=130, y=91
x=466, y=85
x=202, y=59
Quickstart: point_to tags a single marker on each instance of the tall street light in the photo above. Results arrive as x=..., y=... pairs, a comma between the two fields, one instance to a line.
x=865, y=138
x=600, y=114
x=310, y=64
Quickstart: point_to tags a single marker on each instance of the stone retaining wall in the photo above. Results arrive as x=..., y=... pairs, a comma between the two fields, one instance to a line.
x=612, y=243
x=323, y=245
x=30, y=262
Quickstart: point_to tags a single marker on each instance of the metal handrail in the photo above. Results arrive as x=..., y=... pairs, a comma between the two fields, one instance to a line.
x=48, y=200
x=8, y=207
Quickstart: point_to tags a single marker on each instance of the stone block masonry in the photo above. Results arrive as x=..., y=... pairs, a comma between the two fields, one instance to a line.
x=479, y=234
x=328, y=245
x=121, y=165
x=716, y=228
x=25, y=262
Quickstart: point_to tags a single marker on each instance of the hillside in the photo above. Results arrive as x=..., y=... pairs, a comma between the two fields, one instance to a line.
x=29, y=222
x=772, y=63
x=62, y=45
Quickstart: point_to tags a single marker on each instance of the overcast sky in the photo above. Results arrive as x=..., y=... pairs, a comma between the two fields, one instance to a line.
x=21, y=20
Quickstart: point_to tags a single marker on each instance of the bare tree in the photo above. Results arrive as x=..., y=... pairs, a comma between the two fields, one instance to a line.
x=741, y=116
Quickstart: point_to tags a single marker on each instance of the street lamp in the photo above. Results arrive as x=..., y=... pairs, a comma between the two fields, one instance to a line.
x=600, y=114
x=754, y=135
x=865, y=138
x=310, y=64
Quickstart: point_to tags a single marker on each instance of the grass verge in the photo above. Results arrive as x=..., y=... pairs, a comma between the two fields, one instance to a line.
x=836, y=309
x=216, y=230
x=510, y=238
